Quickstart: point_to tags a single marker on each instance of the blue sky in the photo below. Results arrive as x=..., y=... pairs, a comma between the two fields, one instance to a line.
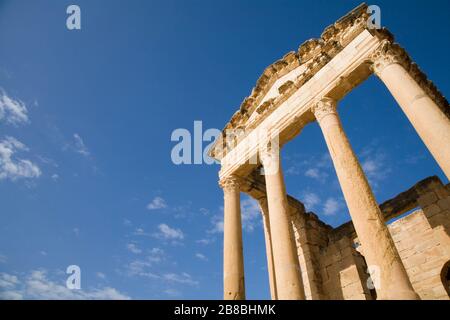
x=86, y=117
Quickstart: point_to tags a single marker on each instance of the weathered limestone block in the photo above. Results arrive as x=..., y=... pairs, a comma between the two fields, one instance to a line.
x=425, y=249
x=444, y=204
x=427, y=199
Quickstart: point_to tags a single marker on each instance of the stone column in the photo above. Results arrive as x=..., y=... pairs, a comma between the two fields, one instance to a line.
x=269, y=252
x=233, y=259
x=287, y=276
x=393, y=66
x=380, y=251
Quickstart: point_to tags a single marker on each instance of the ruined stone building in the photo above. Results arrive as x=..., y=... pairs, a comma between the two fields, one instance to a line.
x=399, y=249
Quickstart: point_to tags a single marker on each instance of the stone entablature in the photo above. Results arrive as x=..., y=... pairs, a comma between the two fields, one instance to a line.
x=347, y=69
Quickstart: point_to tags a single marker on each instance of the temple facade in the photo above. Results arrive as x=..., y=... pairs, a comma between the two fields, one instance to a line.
x=369, y=257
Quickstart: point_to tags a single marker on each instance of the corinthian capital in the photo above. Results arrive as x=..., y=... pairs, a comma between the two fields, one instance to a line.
x=230, y=183
x=324, y=107
x=389, y=53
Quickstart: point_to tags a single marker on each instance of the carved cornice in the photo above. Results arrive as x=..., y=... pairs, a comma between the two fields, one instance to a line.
x=347, y=28
x=323, y=108
x=312, y=54
x=392, y=53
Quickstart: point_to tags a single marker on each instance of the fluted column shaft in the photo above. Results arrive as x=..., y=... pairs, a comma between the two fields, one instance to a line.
x=378, y=246
x=269, y=252
x=287, y=276
x=431, y=124
x=233, y=259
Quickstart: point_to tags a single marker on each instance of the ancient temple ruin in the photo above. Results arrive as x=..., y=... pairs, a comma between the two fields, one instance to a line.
x=406, y=259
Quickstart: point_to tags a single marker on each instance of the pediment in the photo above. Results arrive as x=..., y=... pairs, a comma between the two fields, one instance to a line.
x=286, y=75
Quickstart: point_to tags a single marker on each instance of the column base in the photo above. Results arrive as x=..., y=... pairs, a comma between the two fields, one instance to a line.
x=400, y=295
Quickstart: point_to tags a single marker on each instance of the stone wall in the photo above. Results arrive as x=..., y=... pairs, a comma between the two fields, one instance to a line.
x=311, y=235
x=332, y=260
x=343, y=271
x=422, y=239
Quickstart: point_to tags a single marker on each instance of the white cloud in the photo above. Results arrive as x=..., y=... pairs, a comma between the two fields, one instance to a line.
x=331, y=207
x=157, y=203
x=251, y=217
x=204, y=241
x=182, y=211
x=370, y=167
x=172, y=292
x=374, y=162
x=100, y=275
x=48, y=161
x=12, y=111
x=141, y=267
x=251, y=214
x=317, y=173
x=155, y=260
x=55, y=177
x=37, y=285
x=106, y=293
x=201, y=256
x=217, y=224
x=13, y=168
x=79, y=145
x=312, y=173
x=142, y=232
x=310, y=200
x=156, y=255
x=414, y=158
x=139, y=232
x=8, y=281
x=10, y=295
x=292, y=171
x=168, y=233
x=314, y=167
x=133, y=248
x=376, y=168
x=172, y=279
x=183, y=278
